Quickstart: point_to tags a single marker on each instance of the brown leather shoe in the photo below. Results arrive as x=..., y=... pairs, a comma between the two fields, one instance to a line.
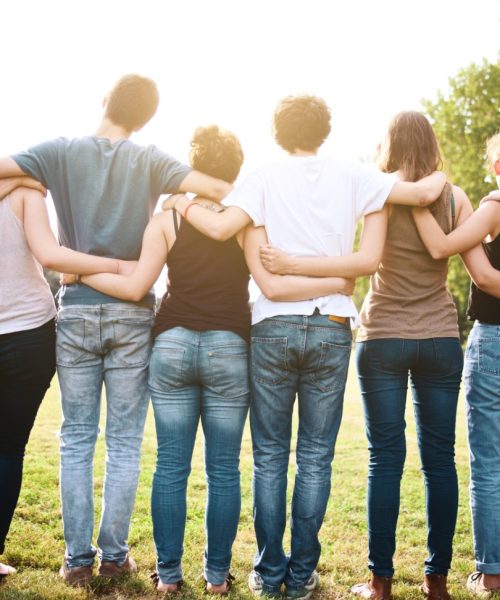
x=434, y=587
x=112, y=569
x=377, y=588
x=76, y=576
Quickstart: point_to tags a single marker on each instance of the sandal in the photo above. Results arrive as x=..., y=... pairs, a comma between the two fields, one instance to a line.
x=228, y=583
x=165, y=588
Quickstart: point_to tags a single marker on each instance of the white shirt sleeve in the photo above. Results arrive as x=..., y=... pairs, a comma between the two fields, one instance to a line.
x=371, y=189
x=249, y=196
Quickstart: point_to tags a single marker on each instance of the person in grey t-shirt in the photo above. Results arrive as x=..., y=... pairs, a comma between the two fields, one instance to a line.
x=104, y=189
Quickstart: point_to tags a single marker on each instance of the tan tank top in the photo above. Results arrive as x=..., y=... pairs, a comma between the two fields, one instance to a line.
x=408, y=297
x=25, y=298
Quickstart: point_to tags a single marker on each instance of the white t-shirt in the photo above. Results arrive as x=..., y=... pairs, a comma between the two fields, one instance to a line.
x=310, y=206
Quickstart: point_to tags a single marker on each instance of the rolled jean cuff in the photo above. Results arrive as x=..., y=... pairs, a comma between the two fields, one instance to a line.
x=84, y=560
x=488, y=568
x=169, y=574
x=435, y=571
x=215, y=576
x=118, y=557
x=270, y=590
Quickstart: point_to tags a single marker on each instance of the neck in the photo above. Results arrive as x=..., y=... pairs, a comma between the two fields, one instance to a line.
x=107, y=129
x=299, y=152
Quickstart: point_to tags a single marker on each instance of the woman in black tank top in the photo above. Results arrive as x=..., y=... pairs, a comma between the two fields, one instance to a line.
x=198, y=367
x=478, y=239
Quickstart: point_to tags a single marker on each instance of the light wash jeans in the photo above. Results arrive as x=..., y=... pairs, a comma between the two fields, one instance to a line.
x=482, y=398
x=96, y=344
x=307, y=356
x=197, y=375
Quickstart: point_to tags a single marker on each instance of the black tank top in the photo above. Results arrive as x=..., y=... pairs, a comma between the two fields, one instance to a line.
x=482, y=306
x=207, y=285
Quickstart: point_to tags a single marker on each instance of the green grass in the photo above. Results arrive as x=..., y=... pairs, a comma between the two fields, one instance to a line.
x=35, y=545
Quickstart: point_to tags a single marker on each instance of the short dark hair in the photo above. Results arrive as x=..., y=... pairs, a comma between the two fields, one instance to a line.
x=301, y=123
x=410, y=147
x=216, y=152
x=132, y=102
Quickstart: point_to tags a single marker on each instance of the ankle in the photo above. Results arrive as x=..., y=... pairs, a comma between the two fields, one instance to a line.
x=222, y=588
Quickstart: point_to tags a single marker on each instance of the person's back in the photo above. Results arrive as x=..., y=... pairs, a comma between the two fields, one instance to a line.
x=104, y=189
x=408, y=295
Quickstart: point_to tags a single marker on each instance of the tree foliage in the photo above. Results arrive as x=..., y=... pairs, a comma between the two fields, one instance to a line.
x=464, y=117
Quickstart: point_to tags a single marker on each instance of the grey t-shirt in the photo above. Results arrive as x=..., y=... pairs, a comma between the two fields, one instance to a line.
x=104, y=195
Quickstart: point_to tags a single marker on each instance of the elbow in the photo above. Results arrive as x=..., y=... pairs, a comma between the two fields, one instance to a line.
x=48, y=262
x=220, y=233
x=427, y=196
x=221, y=190
x=485, y=281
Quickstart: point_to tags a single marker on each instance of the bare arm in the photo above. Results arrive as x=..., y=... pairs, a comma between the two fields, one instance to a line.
x=481, y=271
x=471, y=231
x=44, y=245
x=204, y=185
x=216, y=225
x=419, y=193
x=363, y=262
x=135, y=286
x=9, y=184
x=288, y=287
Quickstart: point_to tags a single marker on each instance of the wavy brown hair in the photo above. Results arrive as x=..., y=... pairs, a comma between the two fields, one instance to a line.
x=216, y=152
x=410, y=147
x=301, y=123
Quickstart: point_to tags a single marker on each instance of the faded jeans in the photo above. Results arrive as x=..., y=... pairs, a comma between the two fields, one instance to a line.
x=307, y=356
x=101, y=344
x=197, y=376
x=482, y=398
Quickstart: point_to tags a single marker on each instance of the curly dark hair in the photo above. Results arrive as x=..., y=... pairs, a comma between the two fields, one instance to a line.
x=301, y=123
x=216, y=152
x=132, y=102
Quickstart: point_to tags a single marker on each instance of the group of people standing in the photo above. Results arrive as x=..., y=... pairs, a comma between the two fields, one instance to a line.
x=205, y=356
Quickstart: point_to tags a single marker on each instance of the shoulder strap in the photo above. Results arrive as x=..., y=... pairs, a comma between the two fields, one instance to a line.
x=452, y=205
x=176, y=223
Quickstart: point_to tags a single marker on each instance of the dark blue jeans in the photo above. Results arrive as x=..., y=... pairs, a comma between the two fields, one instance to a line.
x=435, y=368
x=307, y=357
x=27, y=364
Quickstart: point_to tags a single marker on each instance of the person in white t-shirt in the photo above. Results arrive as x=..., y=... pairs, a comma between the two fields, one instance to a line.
x=310, y=206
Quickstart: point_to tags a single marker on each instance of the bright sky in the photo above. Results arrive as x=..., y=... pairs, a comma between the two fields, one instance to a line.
x=230, y=61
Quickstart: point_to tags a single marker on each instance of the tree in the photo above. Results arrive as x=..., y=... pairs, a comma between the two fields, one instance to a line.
x=463, y=118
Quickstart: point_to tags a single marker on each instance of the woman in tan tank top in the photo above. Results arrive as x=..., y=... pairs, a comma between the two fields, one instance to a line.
x=409, y=331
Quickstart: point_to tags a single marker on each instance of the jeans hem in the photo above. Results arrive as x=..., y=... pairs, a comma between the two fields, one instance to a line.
x=435, y=571
x=382, y=572
x=488, y=568
x=169, y=575
x=119, y=558
x=215, y=576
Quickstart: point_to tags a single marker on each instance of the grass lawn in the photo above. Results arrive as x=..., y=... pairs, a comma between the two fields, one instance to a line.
x=35, y=545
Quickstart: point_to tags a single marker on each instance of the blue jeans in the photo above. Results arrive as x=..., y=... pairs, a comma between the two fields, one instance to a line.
x=101, y=344
x=482, y=398
x=306, y=356
x=435, y=368
x=197, y=375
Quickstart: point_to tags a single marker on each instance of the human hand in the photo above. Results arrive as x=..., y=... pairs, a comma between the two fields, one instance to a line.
x=33, y=184
x=126, y=267
x=170, y=201
x=274, y=260
x=346, y=286
x=68, y=278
